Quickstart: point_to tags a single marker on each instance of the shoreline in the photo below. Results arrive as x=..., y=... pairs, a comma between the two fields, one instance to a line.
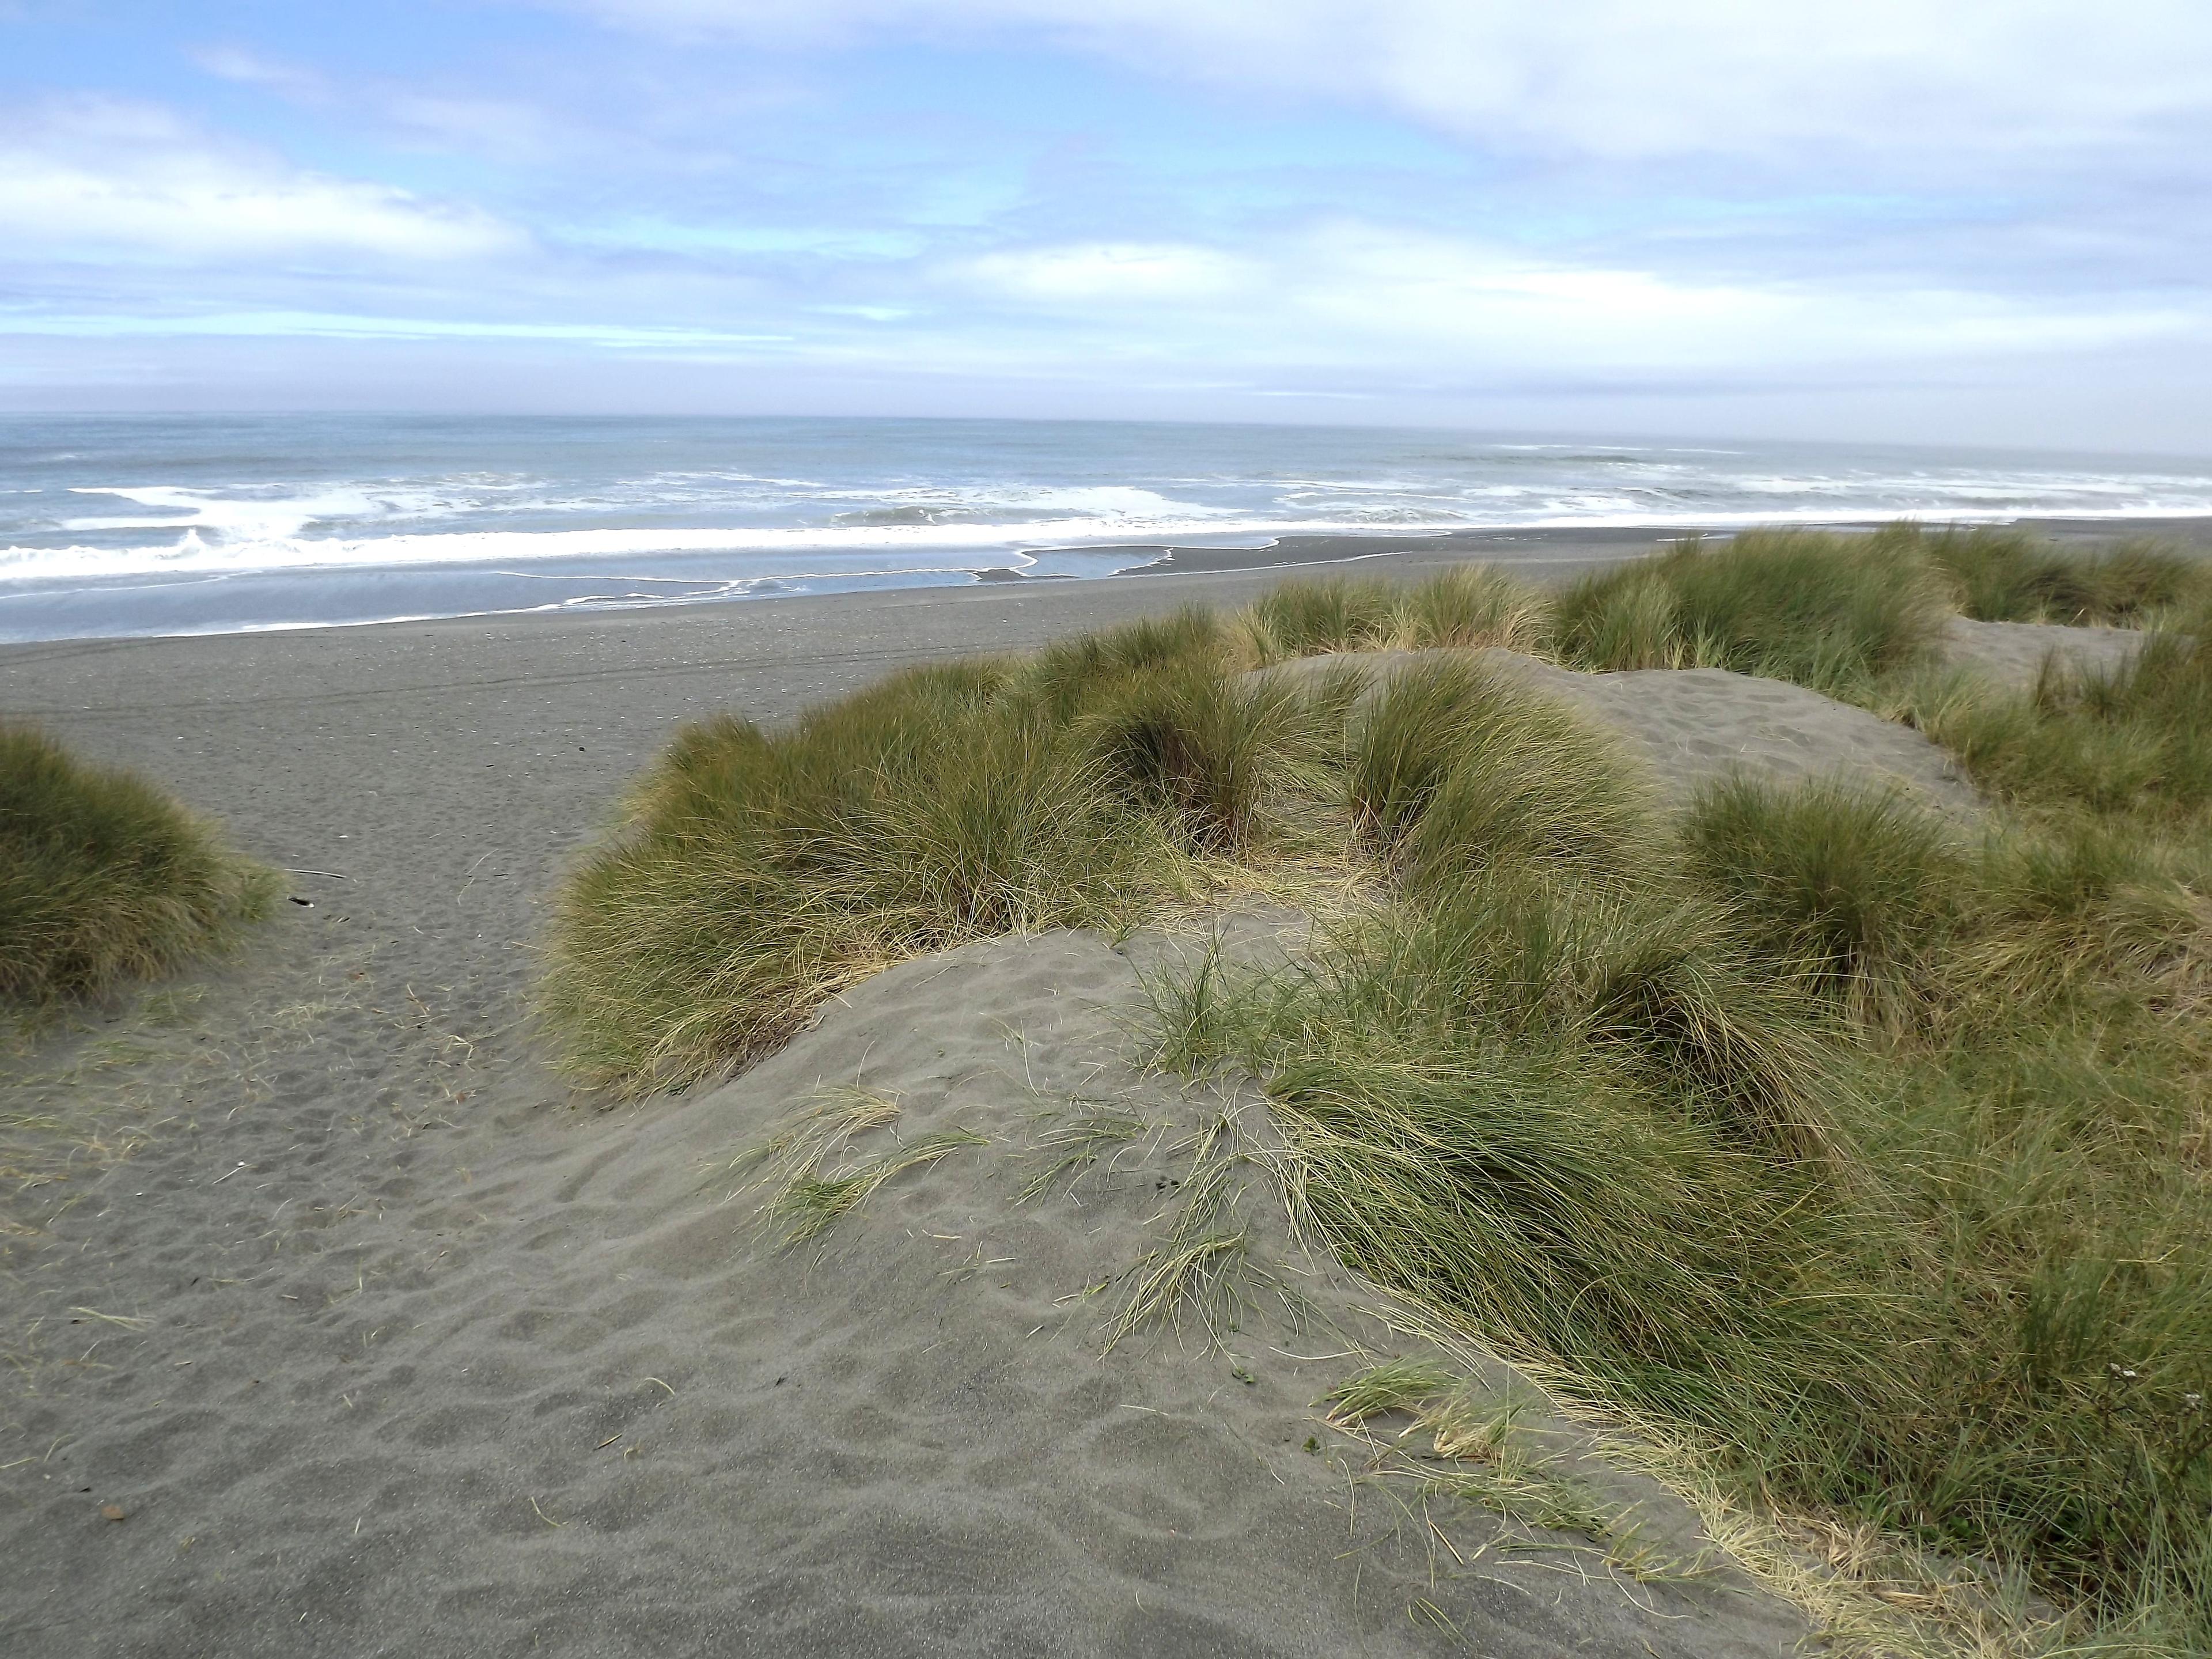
x=1538, y=553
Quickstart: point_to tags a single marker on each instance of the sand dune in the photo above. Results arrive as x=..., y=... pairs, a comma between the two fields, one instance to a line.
x=379, y=1348
x=1695, y=725
x=2013, y=654
x=586, y=1397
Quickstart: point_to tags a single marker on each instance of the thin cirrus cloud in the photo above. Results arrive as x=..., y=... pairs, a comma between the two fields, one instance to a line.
x=508, y=128
x=229, y=62
x=102, y=176
x=1355, y=294
x=327, y=325
x=1113, y=275
x=1958, y=82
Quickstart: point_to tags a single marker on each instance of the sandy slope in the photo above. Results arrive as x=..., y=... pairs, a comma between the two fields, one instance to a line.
x=344, y=1339
x=582, y=1399
x=2014, y=653
x=1695, y=725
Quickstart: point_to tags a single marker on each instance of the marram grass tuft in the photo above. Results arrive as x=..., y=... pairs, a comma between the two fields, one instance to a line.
x=1826, y=611
x=105, y=878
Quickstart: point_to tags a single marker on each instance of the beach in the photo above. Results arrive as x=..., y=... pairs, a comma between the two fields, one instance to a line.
x=372, y=1291
x=383, y=1339
x=928, y=830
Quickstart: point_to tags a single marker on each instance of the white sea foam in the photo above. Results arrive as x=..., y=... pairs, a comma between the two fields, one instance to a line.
x=813, y=504
x=269, y=517
x=886, y=549
x=892, y=548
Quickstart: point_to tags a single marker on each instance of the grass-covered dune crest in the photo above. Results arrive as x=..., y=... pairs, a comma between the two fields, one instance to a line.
x=757, y=873
x=105, y=878
x=754, y=873
x=1860, y=1151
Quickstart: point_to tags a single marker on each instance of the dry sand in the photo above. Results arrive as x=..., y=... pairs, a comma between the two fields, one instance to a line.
x=580, y=1402
x=1695, y=725
x=2013, y=654
x=380, y=1345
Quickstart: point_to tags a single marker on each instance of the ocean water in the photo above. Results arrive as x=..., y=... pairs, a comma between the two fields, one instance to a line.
x=119, y=526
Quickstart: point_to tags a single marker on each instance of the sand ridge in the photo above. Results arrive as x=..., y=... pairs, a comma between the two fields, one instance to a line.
x=1691, y=726
x=343, y=1339
x=585, y=1398
x=2013, y=654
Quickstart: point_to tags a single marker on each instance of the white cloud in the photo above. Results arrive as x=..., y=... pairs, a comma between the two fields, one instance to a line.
x=1110, y=273
x=101, y=177
x=338, y=326
x=499, y=127
x=484, y=126
x=250, y=68
x=1367, y=297
x=1615, y=78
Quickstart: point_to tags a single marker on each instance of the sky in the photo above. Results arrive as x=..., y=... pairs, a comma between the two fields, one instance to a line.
x=1924, y=221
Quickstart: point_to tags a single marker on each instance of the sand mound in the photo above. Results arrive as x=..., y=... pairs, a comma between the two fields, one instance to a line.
x=2013, y=654
x=1697, y=725
x=582, y=1398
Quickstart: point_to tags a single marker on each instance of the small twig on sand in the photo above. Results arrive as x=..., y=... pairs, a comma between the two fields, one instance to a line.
x=332, y=874
x=113, y=1319
x=473, y=868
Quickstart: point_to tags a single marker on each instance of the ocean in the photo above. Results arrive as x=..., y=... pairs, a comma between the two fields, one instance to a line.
x=119, y=525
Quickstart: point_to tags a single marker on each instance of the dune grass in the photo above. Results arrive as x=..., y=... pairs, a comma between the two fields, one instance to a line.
x=1465, y=606
x=1824, y=610
x=1858, y=617
x=2133, y=742
x=104, y=878
x=1840, y=612
x=759, y=873
x=1886, y=1194
x=1867, y=1155
x=2007, y=575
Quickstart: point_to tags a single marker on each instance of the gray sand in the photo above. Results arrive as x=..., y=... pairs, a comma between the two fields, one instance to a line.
x=2013, y=654
x=342, y=1339
x=1693, y=727
x=579, y=1399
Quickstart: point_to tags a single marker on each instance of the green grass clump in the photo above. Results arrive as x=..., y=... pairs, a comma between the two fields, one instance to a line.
x=1471, y=605
x=104, y=878
x=1947, y=1269
x=2008, y=575
x=1066, y=675
x=1395, y=1385
x=1196, y=743
x=1857, y=892
x=1448, y=766
x=2133, y=741
x=759, y=873
x=1826, y=611
x=1340, y=613
x=1465, y=606
x=1456, y=769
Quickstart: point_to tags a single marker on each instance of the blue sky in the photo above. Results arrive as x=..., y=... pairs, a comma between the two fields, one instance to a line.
x=1970, y=220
